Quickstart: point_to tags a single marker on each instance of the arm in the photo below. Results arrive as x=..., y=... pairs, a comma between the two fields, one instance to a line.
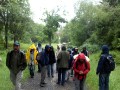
x=74, y=67
x=8, y=60
x=100, y=65
x=24, y=62
x=88, y=67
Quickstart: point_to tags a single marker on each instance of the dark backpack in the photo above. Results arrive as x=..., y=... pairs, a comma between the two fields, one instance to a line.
x=109, y=63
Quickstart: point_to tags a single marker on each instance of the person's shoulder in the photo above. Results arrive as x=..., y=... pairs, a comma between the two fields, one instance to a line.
x=9, y=52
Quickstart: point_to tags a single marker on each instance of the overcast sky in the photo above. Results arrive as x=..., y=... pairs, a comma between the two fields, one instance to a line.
x=39, y=6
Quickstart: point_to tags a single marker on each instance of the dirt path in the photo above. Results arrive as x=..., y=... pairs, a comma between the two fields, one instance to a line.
x=34, y=84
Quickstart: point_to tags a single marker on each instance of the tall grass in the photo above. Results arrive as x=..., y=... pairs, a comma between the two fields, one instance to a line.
x=92, y=78
x=5, y=83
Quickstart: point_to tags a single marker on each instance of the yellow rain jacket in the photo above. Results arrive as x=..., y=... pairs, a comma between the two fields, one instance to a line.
x=28, y=54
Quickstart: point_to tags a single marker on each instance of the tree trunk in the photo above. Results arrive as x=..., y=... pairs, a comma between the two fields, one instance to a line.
x=6, y=35
x=50, y=39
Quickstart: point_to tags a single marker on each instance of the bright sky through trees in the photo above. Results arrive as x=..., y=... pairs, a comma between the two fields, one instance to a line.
x=39, y=6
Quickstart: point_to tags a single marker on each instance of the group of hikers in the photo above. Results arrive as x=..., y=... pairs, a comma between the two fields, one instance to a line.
x=69, y=62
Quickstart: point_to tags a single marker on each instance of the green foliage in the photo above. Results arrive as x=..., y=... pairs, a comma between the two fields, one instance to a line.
x=52, y=21
x=92, y=48
x=4, y=73
x=14, y=15
x=116, y=56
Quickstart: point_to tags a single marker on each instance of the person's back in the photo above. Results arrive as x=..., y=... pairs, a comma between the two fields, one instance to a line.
x=102, y=71
x=62, y=65
x=62, y=59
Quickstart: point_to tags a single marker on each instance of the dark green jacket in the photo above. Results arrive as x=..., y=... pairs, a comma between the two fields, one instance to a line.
x=16, y=61
x=62, y=59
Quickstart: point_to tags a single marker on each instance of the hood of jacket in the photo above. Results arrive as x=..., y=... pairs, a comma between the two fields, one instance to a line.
x=47, y=47
x=81, y=57
x=32, y=47
x=105, y=49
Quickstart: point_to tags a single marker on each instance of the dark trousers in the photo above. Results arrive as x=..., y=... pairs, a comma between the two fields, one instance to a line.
x=104, y=81
x=61, y=75
x=31, y=69
x=50, y=70
x=79, y=84
x=39, y=67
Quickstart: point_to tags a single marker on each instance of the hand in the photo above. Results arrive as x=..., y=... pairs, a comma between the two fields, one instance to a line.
x=81, y=72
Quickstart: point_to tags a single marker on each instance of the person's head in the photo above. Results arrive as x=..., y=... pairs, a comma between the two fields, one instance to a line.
x=58, y=48
x=39, y=44
x=16, y=46
x=47, y=48
x=76, y=49
x=105, y=49
x=84, y=48
x=69, y=50
x=51, y=48
x=32, y=51
x=63, y=48
x=81, y=58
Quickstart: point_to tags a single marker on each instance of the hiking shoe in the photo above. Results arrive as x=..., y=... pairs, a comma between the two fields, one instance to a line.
x=32, y=76
x=42, y=85
x=58, y=83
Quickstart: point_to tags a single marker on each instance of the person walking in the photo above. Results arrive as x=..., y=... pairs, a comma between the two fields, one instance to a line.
x=39, y=49
x=62, y=65
x=43, y=60
x=103, y=69
x=31, y=59
x=52, y=60
x=85, y=51
x=81, y=68
x=16, y=63
x=70, y=64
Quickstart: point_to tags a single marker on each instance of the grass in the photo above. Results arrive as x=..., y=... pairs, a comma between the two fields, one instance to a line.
x=92, y=78
x=4, y=74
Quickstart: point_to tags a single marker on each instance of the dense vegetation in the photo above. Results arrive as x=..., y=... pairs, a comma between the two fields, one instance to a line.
x=94, y=25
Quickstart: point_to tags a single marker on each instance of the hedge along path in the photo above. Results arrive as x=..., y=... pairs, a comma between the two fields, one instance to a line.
x=34, y=84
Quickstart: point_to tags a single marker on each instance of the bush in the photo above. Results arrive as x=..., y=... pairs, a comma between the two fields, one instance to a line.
x=116, y=56
x=91, y=48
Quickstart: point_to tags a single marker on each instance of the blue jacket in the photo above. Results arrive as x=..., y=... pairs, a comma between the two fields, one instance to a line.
x=44, y=59
x=101, y=64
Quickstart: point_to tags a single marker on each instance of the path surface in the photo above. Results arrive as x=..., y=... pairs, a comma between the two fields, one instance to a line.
x=34, y=84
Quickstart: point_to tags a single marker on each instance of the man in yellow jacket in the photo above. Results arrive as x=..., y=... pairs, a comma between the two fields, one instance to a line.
x=31, y=59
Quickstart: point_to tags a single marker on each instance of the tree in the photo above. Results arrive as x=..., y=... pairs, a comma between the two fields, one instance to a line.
x=13, y=15
x=52, y=22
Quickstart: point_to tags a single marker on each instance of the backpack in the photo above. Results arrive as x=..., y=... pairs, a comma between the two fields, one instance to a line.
x=109, y=63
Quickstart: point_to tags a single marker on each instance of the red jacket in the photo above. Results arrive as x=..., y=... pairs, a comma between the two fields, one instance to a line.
x=81, y=64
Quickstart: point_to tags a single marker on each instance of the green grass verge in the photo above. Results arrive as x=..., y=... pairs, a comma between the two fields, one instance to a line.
x=4, y=74
x=92, y=78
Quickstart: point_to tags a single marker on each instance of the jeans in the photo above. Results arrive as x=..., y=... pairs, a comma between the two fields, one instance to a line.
x=16, y=79
x=79, y=84
x=50, y=70
x=104, y=81
x=61, y=76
